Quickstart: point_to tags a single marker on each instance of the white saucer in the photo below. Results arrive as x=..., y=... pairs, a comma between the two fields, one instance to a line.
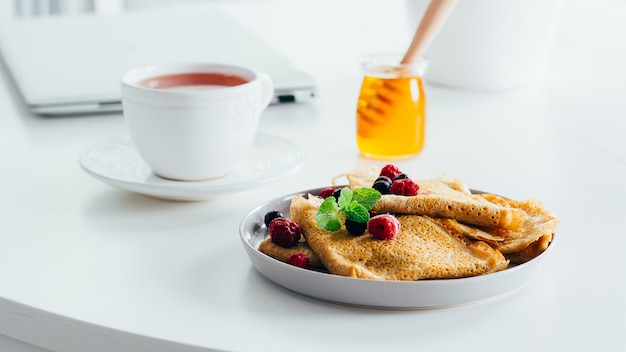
x=116, y=161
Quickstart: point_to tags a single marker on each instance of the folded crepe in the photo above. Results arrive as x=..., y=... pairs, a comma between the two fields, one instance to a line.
x=533, y=237
x=423, y=249
x=444, y=197
x=521, y=245
x=438, y=199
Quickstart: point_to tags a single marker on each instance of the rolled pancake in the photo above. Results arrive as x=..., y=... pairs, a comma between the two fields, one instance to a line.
x=530, y=252
x=440, y=199
x=522, y=244
x=423, y=249
x=535, y=234
x=443, y=197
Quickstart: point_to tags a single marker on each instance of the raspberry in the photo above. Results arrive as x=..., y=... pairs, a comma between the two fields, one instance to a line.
x=284, y=232
x=383, y=226
x=390, y=171
x=271, y=215
x=327, y=192
x=404, y=187
x=300, y=260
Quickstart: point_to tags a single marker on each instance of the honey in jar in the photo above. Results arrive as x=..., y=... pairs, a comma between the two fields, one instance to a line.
x=391, y=109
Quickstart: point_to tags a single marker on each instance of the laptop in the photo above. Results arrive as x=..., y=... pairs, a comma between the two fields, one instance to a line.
x=72, y=65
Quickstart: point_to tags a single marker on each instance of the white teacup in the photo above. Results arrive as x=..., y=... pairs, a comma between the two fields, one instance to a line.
x=194, y=121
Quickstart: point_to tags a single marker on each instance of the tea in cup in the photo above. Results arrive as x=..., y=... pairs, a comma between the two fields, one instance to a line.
x=391, y=109
x=194, y=121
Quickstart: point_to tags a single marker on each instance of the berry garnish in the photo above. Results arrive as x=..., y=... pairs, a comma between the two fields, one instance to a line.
x=401, y=176
x=271, y=215
x=384, y=179
x=337, y=193
x=355, y=228
x=300, y=260
x=383, y=226
x=327, y=192
x=390, y=171
x=404, y=187
x=284, y=232
x=382, y=184
x=381, y=187
x=353, y=204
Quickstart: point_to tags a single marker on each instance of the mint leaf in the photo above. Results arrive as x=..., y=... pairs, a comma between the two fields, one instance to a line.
x=366, y=197
x=345, y=198
x=357, y=212
x=327, y=216
x=354, y=204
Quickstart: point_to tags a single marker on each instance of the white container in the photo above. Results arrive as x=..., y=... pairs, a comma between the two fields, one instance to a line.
x=192, y=133
x=490, y=44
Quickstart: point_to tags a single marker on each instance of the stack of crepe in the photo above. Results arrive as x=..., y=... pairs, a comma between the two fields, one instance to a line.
x=446, y=232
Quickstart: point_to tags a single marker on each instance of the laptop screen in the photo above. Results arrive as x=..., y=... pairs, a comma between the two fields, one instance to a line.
x=73, y=64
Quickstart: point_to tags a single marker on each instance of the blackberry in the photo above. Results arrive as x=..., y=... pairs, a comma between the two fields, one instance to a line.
x=382, y=184
x=271, y=215
x=355, y=228
x=384, y=178
x=401, y=176
x=382, y=187
x=337, y=193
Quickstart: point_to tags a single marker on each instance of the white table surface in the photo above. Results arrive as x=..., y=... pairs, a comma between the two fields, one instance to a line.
x=88, y=267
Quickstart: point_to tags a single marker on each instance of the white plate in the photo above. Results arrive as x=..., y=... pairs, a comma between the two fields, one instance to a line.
x=374, y=293
x=116, y=161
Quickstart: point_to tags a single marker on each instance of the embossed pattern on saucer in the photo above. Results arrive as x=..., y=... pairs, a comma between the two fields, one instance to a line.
x=115, y=161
